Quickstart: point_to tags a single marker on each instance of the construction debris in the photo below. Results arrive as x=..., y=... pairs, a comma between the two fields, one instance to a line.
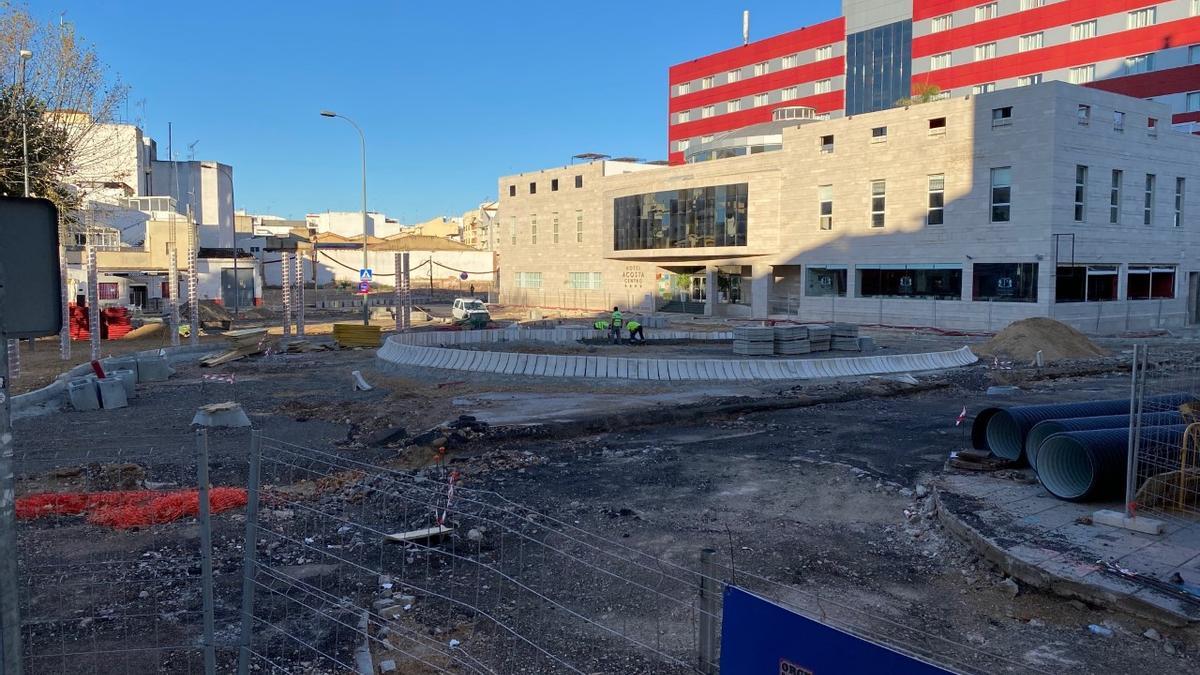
x=423, y=534
x=360, y=384
x=227, y=414
x=242, y=343
x=355, y=335
x=304, y=347
x=1022, y=340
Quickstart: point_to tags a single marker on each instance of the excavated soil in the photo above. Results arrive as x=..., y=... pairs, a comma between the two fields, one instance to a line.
x=1022, y=340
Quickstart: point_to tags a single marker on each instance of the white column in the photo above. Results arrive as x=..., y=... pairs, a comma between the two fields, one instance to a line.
x=173, y=284
x=285, y=284
x=93, y=300
x=299, y=293
x=760, y=290
x=710, y=291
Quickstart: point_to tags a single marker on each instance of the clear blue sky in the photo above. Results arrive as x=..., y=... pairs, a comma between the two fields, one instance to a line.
x=451, y=95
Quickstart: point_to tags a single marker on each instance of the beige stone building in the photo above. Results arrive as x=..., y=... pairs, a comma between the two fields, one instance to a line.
x=1047, y=200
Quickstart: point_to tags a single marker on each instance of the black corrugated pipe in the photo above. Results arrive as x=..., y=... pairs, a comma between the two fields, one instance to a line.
x=1082, y=466
x=979, y=428
x=1007, y=429
x=1043, y=430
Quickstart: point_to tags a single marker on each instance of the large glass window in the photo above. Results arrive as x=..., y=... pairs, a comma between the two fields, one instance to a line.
x=1150, y=282
x=1083, y=30
x=1086, y=283
x=937, y=199
x=529, y=279
x=878, y=203
x=1142, y=17
x=1180, y=184
x=1004, y=282
x=1031, y=41
x=1001, y=194
x=689, y=218
x=878, y=67
x=825, y=206
x=825, y=280
x=585, y=281
x=1148, y=200
x=940, y=282
x=1081, y=174
x=1114, y=197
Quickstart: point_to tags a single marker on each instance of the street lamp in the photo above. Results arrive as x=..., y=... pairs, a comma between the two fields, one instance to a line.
x=363, y=140
x=25, y=56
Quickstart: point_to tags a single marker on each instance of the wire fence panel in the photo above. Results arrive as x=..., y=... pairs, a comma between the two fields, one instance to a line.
x=1165, y=459
x=357, y=562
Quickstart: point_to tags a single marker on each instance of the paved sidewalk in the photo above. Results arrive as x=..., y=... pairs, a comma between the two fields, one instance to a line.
x=1051, y=544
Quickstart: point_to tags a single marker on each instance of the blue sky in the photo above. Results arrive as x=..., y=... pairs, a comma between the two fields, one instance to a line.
x=451, y=95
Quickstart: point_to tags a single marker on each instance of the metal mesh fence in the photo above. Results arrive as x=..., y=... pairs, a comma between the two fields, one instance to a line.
x=1164, y=460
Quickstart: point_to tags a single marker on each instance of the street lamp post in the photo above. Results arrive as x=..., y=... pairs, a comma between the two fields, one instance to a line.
x=363, y=140
x=25, y=56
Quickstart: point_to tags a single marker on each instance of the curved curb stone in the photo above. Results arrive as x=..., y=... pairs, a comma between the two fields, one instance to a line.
x=418, y=349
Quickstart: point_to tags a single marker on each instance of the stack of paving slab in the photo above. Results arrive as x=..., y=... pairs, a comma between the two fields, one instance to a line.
x=819, y=338
x=791, y=340
x=754, y=340
x=845, y=337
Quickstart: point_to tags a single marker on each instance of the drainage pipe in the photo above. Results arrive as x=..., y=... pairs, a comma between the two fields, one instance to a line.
x=1082, y=466
x=979, y=428
x=1007, y=429
x=1043, y=430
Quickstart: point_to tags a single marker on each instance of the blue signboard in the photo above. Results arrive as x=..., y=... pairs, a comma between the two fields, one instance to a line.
x=760, y=637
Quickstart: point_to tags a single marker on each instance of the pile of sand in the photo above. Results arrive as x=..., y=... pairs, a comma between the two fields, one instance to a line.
x=1022, y=340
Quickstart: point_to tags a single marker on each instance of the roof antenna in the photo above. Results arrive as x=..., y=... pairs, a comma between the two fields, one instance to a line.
x=745, y=27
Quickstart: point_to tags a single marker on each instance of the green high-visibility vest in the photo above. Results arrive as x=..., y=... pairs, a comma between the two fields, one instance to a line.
x=633, y=325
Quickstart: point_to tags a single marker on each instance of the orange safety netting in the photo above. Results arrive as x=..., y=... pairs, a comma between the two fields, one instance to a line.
x=126, y=509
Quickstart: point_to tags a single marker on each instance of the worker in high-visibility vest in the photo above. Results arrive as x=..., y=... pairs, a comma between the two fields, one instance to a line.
x=600, y=324
x=615, y=326
x=636, y=334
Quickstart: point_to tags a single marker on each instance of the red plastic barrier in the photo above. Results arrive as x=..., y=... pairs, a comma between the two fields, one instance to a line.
x=125, y=509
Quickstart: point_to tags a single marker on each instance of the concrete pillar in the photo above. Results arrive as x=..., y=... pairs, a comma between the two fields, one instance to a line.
x=761, y=281
x=710, y=291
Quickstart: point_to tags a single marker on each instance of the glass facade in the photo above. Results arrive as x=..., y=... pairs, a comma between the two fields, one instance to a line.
x=938, y=281
x=1005, y=282
x=690, y=218
x=878, y=67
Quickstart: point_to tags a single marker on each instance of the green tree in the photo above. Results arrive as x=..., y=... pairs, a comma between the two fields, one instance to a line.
x=48, y=150
x=921, y=93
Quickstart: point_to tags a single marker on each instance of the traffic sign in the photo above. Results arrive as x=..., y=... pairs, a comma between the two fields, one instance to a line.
x=366, y=274
x=364, y=287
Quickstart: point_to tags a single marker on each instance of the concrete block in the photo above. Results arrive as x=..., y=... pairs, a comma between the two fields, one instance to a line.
x=1137, y=523
x=129, y=379
x=153, y=369
x=112, y=393
x=120, y=363
x=83, y=394
x=227, y=414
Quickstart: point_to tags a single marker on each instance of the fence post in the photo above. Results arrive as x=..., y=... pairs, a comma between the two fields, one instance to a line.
x=1135, y=427
x=206, y=572
x=709, y=593
x=249, y=553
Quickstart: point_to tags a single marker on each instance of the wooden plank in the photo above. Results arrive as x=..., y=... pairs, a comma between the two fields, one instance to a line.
x=419, y=535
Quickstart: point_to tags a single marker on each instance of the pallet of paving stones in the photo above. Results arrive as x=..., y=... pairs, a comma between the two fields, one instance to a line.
x=844, y=330
x=754, y=340
x=846, y=344
x=792, y=340
x=819, y=338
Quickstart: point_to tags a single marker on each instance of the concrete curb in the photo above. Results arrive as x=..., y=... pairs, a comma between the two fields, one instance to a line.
x=397, y=351
x=560, y=335
x=1039, y=577
x=58, y=387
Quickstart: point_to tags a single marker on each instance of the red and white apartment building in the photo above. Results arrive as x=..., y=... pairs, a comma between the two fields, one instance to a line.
x=881, y=51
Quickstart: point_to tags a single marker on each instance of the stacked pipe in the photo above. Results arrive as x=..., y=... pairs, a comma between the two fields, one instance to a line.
x=1081, y=466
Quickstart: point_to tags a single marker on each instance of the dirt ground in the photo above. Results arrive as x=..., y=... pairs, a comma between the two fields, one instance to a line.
x=824, y=488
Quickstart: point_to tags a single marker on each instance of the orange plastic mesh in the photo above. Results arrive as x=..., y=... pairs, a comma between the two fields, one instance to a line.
x=126, y=509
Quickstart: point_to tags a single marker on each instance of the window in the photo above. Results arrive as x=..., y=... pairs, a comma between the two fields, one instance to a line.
x=791, y=93
x=1140, y=18
x=578, y=181
x=1114, y=197
x=985, y=12
x=1004, y=282
x=687, y=218
x=937, y=125
x=1195, y=7
x=682, y=146
x=878, y=134
x=554, y=185
x=685, y=88
x=943, y=282
x=791, y=60
x=1194, y=51
x=684, y=116
x=734, y=105
x=554, y=227
x=826, y=144
x=1001, y=194
x=514, y=231
x=1152, y=126
x=1030, y=4
x=825, y=206
x=941, y=23
x=1148, y=200
x=761, y=68
x=579, y=227
x=825, y=281
x=733, y=75
x=529, y=279
x=708, y=111
x=1084, y=114
x=1084, y=30
x=707, y=82
x=1082, y=74
x=1193, y=101
x=760, y=100
x=533, y=188
x=878, y=202
x=984, y=88
x=108, y=290
x=823, y=53
x=1139, y=64
x=987, y=51
x=939, y=61
x=1028, y=42
x=1027, y=80
x=937, y=200
x=1150, y=282
x=532, y=229
x=1081, y=175
x=1086, y=283
x=706, y=139
x=1002, y=116
x=585, y=281
x=1180, y=184
x=1118, y=120
x=512, y=190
